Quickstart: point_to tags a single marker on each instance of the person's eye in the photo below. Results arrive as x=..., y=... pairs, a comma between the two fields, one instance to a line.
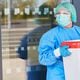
x=57, y=14
x=66, y=13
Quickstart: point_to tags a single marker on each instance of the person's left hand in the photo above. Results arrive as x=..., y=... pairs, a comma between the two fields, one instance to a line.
x=64, y=51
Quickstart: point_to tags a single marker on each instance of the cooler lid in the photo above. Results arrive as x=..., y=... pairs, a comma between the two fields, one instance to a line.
x=71, y=43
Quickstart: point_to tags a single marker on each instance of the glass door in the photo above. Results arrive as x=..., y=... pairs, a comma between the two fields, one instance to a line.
x=21, y=18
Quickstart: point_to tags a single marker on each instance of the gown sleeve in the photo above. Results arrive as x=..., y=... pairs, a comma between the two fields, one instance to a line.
x=46, y=50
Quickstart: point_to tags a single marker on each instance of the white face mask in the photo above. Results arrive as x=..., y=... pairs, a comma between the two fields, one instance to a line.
x=63, y=19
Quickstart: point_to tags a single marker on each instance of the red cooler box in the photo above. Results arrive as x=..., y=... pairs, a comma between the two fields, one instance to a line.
x=72, y=62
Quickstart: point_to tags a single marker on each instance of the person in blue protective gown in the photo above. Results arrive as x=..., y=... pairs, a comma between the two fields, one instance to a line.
x=50, y=50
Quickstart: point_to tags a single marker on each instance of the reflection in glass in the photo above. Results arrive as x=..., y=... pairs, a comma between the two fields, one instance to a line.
x=21, y=18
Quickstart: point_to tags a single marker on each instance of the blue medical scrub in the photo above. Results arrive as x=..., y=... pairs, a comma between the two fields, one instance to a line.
x=50, y=41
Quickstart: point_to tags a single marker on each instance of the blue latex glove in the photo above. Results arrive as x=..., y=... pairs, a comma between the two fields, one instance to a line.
x=64, y=51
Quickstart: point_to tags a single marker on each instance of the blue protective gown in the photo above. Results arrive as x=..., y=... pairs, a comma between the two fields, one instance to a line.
x=50, y=41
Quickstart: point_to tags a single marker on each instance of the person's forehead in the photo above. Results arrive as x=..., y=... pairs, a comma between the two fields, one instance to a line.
x=63, y=10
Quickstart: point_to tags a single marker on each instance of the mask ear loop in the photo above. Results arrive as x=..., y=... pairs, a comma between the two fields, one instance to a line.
x=70, y=17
